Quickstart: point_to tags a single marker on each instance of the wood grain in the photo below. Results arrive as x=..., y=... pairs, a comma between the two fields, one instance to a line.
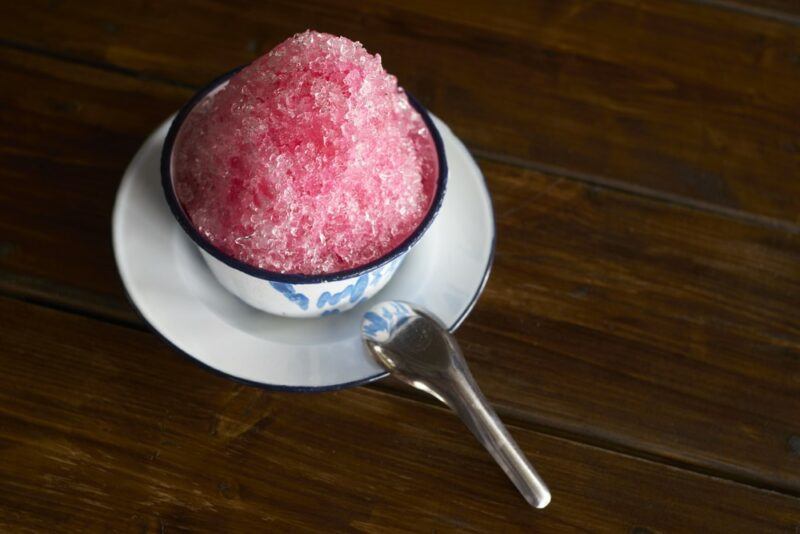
x=611, y=318
x=104, y=428
x=682, y=99
x=787, y=11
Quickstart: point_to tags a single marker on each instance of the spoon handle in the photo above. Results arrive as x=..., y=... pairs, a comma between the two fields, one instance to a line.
x=466, y=399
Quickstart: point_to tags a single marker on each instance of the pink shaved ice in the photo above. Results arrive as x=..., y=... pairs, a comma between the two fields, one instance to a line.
x=311, y=160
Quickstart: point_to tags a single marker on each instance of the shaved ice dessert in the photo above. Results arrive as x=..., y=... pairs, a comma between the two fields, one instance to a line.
x=309, y=161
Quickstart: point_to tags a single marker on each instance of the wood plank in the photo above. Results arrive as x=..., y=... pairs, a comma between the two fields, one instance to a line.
x=682, y=98
x=627, y=322
x=103, y=427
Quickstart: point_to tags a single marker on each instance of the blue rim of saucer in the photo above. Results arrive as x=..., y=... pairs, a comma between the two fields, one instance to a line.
x=264, y=274
x=174, y=205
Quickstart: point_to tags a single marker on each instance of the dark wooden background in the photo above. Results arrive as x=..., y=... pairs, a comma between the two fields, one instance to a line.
x=640, y=332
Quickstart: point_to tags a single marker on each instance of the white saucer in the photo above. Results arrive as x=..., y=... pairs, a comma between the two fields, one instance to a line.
x=170, y=285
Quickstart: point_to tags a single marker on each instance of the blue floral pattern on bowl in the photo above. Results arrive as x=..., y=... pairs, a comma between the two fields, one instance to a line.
x=383, y=318
x=333, y=302
x=353, y=293
x=290, y=292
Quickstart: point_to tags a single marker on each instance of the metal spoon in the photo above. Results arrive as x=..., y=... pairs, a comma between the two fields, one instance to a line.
x=418, y=350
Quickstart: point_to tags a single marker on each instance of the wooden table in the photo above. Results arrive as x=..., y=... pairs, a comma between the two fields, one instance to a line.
x=640, y=333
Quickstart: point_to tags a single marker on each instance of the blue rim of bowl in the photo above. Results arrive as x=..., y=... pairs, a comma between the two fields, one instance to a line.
x=264, y=274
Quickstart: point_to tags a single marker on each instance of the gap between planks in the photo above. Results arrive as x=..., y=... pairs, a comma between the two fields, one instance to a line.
x=631, y=189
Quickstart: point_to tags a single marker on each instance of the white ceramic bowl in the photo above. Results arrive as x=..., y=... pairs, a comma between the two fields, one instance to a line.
x=296, y=295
